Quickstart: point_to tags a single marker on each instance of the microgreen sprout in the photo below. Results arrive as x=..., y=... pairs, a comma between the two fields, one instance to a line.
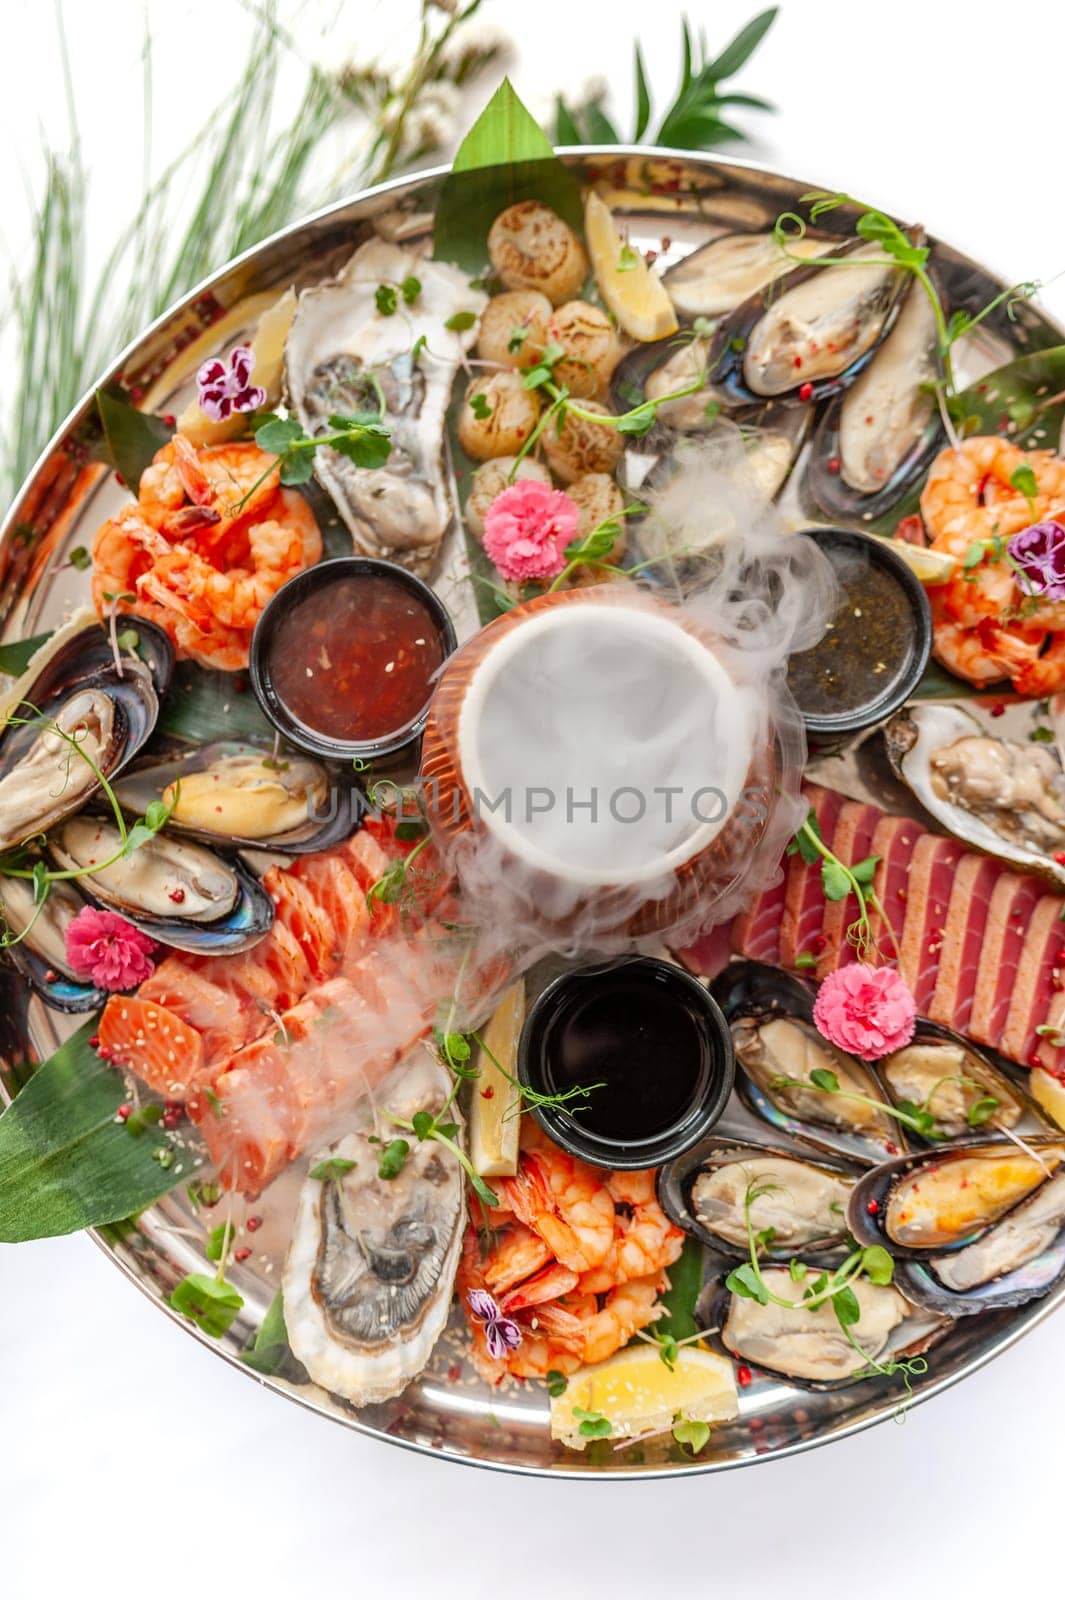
x=828, y=1286
x=900, y=250
x=920, y=1118
x=839, y=880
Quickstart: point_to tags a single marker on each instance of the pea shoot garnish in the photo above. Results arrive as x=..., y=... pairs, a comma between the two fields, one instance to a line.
x=838, y=881
x=828, y=1287
x=920, y=1118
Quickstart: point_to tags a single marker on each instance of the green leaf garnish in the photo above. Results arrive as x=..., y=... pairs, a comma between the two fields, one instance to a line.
x=212, y=1305
x=332, y=1169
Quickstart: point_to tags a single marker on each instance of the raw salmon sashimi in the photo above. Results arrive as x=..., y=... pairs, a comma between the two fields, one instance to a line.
x=142, y=1037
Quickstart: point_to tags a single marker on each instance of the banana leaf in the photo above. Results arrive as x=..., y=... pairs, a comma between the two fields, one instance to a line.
x=203, y=705
x=1025, y=400
x=65, y=1162
x=505, y=157
x=130, y=437
x=15, y=657
x=685, y=1282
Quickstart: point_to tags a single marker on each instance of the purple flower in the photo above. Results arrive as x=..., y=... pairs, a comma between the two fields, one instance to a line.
x=501, y=1333
x=1039, y=553
x=224, y=388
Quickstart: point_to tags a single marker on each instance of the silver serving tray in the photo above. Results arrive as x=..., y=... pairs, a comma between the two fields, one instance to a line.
x=447, y=1411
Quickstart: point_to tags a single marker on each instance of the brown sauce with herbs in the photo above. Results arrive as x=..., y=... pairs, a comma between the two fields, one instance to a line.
x=867, y=646
x=356, y=660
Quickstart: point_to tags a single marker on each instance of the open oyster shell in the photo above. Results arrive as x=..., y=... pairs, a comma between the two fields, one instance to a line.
x=999, y=795
x=40, y=953
x=343, y=355
x=372, y=1263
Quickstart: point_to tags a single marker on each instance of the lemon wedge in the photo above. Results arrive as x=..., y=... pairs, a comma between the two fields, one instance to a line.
x=1049, y=1093
x=494, y=1120
x=635, y=1392
x=930, y=566
x=628, y=287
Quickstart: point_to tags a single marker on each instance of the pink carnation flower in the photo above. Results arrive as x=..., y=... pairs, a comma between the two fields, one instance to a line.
x=527, y=529
x=867, y=1011
x=107, y=950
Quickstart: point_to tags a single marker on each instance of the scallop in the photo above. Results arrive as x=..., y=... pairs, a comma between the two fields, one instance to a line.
x=531, y=247
x=491, y=479
x=513, y=328
x=599, y=500
x=583, y=446
x=497, y=416
x=591, y=350
x=1002, y=796
x=371, y=1267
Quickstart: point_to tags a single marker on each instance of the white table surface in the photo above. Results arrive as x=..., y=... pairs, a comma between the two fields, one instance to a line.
x=134, y=1462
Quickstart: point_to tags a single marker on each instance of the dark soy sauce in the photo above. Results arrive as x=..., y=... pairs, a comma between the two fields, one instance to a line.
x=638, y=1030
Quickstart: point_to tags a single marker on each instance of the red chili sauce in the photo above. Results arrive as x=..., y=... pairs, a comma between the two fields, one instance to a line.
x=356, y=660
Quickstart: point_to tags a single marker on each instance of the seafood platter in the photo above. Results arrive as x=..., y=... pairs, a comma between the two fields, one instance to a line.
x=532, y=818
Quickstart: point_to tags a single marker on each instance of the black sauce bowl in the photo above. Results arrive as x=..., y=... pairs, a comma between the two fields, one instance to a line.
x=839, y=545
x=315, y=580
x=575, y=1131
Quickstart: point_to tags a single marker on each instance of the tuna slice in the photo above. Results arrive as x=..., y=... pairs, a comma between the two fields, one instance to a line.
x=804, y=899
x=1034, y=986
x=1013, y=900
x=931, y=879
x=894, y=841
x=963, y=939
x=708, y=954
x=756, y=933
x=851, y=842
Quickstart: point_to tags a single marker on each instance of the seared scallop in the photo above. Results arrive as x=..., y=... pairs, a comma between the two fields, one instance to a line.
x=591, y=347
x=532, y=248
x=497, y=416
x=582, y=446
x=599, y=500
x=513, y=328
x=490, y=480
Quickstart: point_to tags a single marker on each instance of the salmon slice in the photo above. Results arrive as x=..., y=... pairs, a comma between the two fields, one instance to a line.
x=1034, y=984
x=932, y=870
x=299, y=911
x=804, y=899
x=851, y=842
x=963, y=938
x=334, y=885
x=143, y=1037
x=1013, y=900
x=220, y=1016
x=366, y=858
x=894, y=841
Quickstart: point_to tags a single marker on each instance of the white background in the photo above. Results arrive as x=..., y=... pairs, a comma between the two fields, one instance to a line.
x=132, y=1459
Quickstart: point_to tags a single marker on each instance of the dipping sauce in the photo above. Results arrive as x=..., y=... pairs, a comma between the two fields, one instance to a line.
x=650, y=1036
x=871, y=655
x=355, y=659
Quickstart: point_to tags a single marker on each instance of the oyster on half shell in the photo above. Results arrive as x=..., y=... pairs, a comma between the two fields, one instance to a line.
x=371, y=1267
x=343, y=355
x=1000, y=795
x=810, y=1345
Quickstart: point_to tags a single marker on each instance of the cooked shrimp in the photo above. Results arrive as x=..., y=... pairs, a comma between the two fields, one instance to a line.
x=969, y=495
x=1043, y=674
x=566, y=1203
x=626, y=1309
x=236, y=596
x=516, y=1255
x=645, y=1240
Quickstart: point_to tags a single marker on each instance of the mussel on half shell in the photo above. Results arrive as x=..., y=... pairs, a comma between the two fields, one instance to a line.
x=875, y=441
x=808, y=1346
x=971, y=1228
x=1001, y=796
x=238, y=796
x=778, y=1048
x=180, y=892
x=797, y=1206
x=38, y=950
x=814, y=330
x=968, y=1096
x=372, y=1263
x=719, y=276
x=70, y=719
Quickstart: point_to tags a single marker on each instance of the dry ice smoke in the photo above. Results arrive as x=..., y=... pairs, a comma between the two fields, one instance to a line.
x=587, y=700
